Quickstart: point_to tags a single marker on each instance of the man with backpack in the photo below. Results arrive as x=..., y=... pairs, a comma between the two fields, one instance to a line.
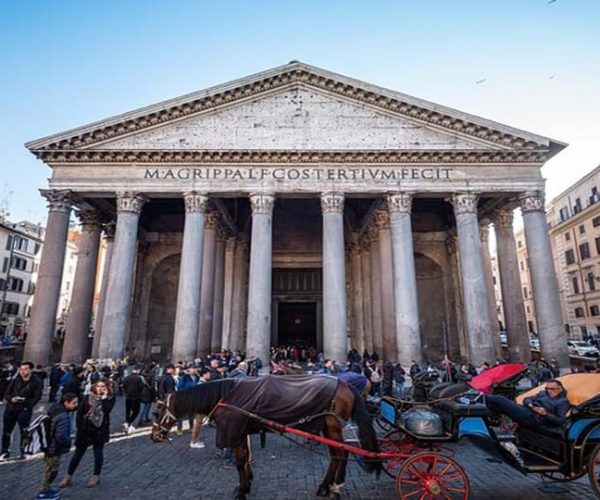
x=22, y=394
x=133, y=385
x=58, y=441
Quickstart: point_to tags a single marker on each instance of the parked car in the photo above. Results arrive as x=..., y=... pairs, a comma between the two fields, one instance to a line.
x=503, y=338
x=581, y=348
x=534, y=344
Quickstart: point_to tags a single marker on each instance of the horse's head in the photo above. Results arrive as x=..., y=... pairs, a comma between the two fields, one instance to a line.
x=163, y=421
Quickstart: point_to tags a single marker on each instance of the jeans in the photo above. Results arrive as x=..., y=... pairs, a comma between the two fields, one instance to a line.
x=519, y=414
x=145, y=413
x=132, y=409
x=12, y=418
x=78, y=455
x=51, y=465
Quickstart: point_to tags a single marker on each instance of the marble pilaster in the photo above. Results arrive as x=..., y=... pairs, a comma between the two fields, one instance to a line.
x=259, y=284
x=80, y=313
x=45, y=304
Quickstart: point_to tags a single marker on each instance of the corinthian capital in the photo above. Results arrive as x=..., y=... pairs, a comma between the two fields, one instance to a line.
x=195, y=202
x=382, y=219
x=484, y=230
x=399, y=202
x=532, y=202
x=503, y=218
x=58, y=201
x=332, y=203
x=262, y=203
x=109, y=230
x=130, y=202
x=464, y=203
x=212, y=220
x=373, y=233
x=90, y=219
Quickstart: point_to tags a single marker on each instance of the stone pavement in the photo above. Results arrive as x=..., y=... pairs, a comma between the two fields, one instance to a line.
x=135, y=467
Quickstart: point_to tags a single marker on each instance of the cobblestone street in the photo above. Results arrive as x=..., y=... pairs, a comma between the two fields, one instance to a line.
x=137, y=468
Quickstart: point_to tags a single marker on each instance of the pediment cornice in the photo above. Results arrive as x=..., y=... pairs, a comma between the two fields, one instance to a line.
x=286, y=76
x=291, y=156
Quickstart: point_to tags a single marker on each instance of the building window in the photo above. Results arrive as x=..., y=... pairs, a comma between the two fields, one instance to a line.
x=8, y=242
x=19, y=263
x=596, y=221
x=595, y=311
x=525, y=291
x=521, y=265
x=10, y=308
x=528, y=310
x=519, y=243
x=564, y=213
x=570, y=256
x=579, y=312
x=575, y=285
x=582, y=229
x=567, y=236
x=577, y=206
x=494, y=279
x=584, y=251
x=591, y=281
x=5, y=264
x=15, y=284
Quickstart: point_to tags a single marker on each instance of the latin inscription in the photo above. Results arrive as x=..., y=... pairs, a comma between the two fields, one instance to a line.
x=299, y=174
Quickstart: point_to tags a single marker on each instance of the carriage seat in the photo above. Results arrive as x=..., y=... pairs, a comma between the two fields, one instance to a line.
x=458, y=409
x=580, y=388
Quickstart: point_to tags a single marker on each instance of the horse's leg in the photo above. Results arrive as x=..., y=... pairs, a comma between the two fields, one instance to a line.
x=334, y=455
x=339, y=478
x=249, y=462
x=240, y=454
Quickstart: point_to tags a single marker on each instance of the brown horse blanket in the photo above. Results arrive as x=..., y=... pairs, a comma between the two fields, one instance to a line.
x=284, y=399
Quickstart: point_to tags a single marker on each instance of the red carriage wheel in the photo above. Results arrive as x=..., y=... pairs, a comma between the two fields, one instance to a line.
x=395, y=442
x=432, y=476
x=594, y=470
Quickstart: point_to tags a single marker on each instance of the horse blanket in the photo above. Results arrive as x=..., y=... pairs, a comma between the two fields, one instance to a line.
x=282, y=399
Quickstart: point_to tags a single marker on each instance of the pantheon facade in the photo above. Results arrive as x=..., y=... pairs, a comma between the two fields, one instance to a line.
x=296, y=206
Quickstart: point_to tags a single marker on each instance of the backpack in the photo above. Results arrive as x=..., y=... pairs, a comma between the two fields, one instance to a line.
x=147, y=394
x=37, y=435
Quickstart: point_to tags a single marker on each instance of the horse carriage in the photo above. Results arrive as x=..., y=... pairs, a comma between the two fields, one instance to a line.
x=559, y=453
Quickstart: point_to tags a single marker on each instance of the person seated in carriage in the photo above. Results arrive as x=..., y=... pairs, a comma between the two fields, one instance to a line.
x=548, y=407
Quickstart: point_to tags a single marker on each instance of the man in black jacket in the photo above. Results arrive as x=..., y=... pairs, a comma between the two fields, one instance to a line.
x=133, y=385
x=59, y=441
x=22, y=394
x=73, y=383
x=56, y=374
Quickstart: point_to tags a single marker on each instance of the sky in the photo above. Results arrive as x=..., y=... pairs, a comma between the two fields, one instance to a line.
x=533, y=64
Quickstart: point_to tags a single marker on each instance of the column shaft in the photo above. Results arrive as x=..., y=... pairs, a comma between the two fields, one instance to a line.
x=386, y=274
x=217, y=326
x=208, y=283
x=550, y=322
x=510, y=282
x=239, y=283
x=185, y=337
x=376, y=308
x=228, y=293
x=408, y=336
x=45, y=304
x=335, y=344
x=109, y=239
x=80, y=313
x=475, y=302
x=259, y=285
x=367, y=303
x=115, y=323
x=489, y=285
x=358, y=335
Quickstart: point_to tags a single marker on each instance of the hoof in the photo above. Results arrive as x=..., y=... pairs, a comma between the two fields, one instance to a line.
x=240, y=493
x=323, y=492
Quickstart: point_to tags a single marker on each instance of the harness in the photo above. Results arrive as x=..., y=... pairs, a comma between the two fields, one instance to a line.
x=167, y=414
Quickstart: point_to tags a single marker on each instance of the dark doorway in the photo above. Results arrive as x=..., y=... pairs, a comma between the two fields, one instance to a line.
x=297, y=324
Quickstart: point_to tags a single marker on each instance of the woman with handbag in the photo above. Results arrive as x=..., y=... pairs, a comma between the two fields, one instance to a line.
x=93, y=424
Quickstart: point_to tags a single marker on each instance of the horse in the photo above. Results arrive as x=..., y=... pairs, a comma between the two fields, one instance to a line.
x=287, y=400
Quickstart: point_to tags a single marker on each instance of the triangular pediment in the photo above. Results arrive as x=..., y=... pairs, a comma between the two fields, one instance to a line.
x=295, y=107
x=299, y=118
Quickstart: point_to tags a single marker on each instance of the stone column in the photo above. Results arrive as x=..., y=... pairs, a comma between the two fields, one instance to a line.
x=365, y=267
x=239, y=284
x=45, y=304
x=484, y=231
x=185, y=337
x=335, y=345
x=358, y=300
x=228, y=292
x=376, y=308
x=208, y=284
x=80, y=312
x=550, y=322
x=406, y=307
x=118, y=294
x=258, y=339
x=109, y=239
x=386, y=275
x=475, y=302
x=216, y=343
x=510, y=282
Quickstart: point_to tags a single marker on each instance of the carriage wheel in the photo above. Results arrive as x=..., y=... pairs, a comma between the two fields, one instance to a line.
x=594, y=470
x=432, y=476
x=395, y=441
x=560, y=477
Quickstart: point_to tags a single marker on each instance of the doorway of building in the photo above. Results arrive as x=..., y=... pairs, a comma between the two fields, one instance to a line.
x=297, y=324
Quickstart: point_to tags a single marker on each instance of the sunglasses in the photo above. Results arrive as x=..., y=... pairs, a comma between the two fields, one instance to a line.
x=553, y=388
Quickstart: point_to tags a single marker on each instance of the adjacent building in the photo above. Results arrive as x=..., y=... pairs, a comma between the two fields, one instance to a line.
x=297, y=206
x=526, y=285
x=574, y=222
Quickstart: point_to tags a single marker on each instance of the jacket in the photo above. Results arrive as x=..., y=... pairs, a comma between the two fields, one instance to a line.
x=59, y=438
x=87, y=432
x=166, y=385
x=557, y=407
x=133, y=385
x=186, y=381
x=72, y=384
x=30, y=390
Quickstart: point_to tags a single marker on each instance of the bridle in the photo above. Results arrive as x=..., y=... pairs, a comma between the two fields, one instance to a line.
x=166, y=414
